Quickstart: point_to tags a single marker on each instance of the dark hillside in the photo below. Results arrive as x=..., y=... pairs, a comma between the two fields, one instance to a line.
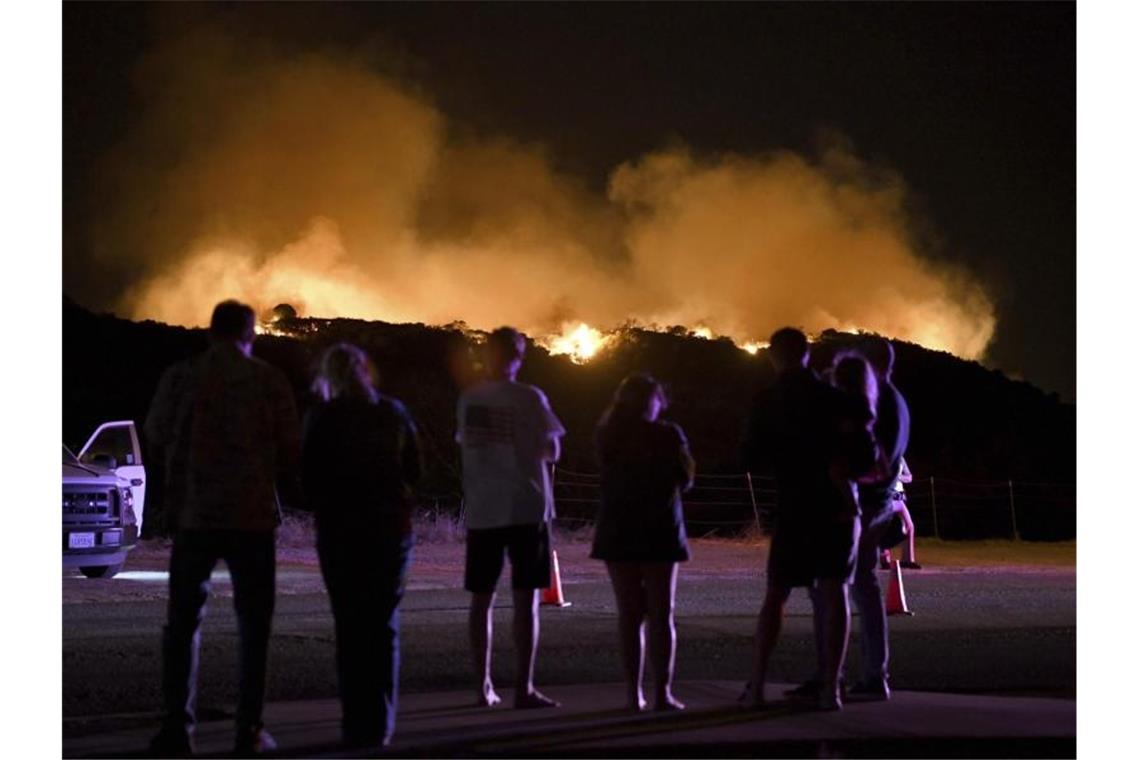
x=969, y=423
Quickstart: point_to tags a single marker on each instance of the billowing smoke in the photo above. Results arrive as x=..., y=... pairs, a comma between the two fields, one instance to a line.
x=316, y=181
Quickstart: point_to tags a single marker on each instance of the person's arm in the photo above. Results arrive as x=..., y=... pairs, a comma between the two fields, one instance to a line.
x=552, y=451
x=411, y=455
x=905, y=475
x=313, y=454
x=687, y=466
x=756, y=453
x=551, y=445
x=159, y=424
x=459, y=407
x=159, y=429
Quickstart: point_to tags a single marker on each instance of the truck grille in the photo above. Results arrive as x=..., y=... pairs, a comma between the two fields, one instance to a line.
x=89, y=504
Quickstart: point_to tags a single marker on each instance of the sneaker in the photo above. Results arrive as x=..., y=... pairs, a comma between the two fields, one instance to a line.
x=172, y=743
x=910, y=565
x=871, y=691
x=254, y=740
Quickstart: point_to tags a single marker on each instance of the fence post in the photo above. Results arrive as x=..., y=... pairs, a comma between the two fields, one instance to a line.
x=752, y=495
x=934, y=508
x=1013, y=514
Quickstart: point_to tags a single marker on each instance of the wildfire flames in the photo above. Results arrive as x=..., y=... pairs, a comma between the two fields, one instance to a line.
x=580, y=342
x=753, y=347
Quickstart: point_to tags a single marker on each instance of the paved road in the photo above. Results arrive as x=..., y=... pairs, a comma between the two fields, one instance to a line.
x=989, y=631
x=593, y=722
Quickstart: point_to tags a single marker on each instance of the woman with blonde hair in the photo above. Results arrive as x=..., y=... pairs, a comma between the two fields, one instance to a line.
x=640, y=531
x=360, y=462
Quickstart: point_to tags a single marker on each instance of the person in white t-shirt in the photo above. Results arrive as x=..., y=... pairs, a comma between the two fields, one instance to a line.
x=509, y=438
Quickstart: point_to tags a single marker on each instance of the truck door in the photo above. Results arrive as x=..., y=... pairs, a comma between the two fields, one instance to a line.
x=121, y=441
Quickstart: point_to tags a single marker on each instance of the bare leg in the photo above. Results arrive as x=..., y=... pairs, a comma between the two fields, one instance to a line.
x=660, y=589
x=817, y=631
x=480, y=623
x=835, y=623
x=526, y=647
x=868, y=599
x=630, y=596
x=908, y=555
x=768, y=625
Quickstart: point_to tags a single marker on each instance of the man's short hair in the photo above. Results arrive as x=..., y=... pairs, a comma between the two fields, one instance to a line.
x=788, y=346
x=508, y=343
x=879, y=353
x=232, y=320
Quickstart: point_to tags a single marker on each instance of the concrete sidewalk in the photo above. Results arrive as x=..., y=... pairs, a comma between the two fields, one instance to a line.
x=592, y=722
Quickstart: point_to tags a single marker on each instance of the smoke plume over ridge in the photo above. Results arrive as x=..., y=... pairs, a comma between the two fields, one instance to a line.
x=314, y=180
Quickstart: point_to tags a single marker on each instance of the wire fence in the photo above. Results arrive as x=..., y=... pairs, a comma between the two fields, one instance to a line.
x=940, y=507
x=732, y=504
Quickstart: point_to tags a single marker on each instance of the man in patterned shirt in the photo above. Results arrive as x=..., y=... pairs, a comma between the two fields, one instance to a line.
x=228, y=431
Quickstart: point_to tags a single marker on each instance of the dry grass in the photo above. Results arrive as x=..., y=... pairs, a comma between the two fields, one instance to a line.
x=440, y=528
x=296, y=531
x=433, y=526
x=994, y=553
x=573, y=532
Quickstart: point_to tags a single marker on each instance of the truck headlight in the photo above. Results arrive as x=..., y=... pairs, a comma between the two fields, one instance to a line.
x=127, y=500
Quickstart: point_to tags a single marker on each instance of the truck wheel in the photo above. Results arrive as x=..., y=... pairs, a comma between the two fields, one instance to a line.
x=101, y=571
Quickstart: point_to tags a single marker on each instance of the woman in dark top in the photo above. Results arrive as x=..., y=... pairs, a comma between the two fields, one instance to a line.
x=640, y=530
x=853, y=455
x=360, y=462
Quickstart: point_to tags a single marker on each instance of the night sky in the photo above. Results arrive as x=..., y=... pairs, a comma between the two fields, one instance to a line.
x=972, y=105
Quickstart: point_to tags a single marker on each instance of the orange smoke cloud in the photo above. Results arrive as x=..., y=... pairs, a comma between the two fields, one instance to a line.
x=316, y=181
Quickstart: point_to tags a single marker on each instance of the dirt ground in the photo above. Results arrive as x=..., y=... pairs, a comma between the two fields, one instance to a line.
x=439, y=556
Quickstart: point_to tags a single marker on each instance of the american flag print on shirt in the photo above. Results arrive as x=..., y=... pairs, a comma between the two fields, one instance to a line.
x=489, y=425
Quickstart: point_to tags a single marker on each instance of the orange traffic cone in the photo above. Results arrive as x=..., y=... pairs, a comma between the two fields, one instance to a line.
x=896, y=597
x=552, y=595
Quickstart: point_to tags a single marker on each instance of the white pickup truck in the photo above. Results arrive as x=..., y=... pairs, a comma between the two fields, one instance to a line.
x=104, y=490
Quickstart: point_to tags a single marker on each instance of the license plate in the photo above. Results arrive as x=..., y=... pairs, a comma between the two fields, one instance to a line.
x=80, y=540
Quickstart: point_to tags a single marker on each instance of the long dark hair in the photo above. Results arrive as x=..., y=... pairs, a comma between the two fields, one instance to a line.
x=852, y=374
x=345, y=370
x=631, y=401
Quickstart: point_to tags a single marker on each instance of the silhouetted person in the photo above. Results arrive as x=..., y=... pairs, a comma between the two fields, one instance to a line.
x=640, y=533
x=855, y=458
x=892, y=432
x=792, y=432
x=509, y=438
x=361, y=460
x=227, y=426
x=903, y=520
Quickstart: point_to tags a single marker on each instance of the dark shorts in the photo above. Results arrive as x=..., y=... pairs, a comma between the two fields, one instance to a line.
x=799, y=555
x=528, y=547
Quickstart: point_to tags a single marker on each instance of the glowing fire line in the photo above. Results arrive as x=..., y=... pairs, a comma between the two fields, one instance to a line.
x=578, y=341
x=581, y=342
